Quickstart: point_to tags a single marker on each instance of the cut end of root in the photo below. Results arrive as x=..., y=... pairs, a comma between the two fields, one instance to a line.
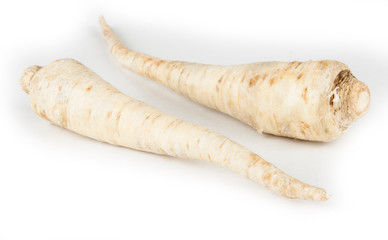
x=27, y=76
x=353, y=99
x=358, y=99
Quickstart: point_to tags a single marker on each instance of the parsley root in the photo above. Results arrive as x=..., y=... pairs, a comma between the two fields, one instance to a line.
x=69, y=95
x=314, y=100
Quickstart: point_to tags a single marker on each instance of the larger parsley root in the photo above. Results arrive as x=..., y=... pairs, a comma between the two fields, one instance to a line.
x=70, y=95
x=314, y=100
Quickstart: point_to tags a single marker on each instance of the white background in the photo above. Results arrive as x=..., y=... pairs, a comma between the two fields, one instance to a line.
x=55, y=184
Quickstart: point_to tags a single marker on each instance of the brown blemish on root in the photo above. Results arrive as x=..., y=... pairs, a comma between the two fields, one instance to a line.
x=323, y=64
x=304, y=126
x=265, y=76
x=267, y=177
x=109, y=114
x=251, y=82
x=342, y=78
x=243, y=77
x=300, y=75
x=331, y=100
x=43, y=115
x=118, y=116
x=170, y=124
x=297, y=64
x=272, y=81
x=151, y=67
x=293, y=64
x=89, y=88
x=145, y=61
x=204, y=73
x=255, y=79
x=180, y=75
x=145, y=120
x=264, y=164
x=275, y=182
x=249, y=165
x=222, y=144
x=304, y=95
x=157, y=63
x=227, y=162
x=303, y=132
x=64, y=118
x=290, y=64
x=156, y=117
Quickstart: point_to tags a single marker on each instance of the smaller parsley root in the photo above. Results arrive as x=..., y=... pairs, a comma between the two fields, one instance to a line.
x=68, y=94
x=313, y=100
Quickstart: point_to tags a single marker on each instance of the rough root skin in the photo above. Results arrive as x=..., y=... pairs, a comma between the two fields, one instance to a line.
x=290, y=99
x=69, y=95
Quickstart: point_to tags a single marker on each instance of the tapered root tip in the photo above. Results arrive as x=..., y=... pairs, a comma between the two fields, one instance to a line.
x=315, y=194
x=307, y=192
x=108, y=33
x=104, y=27
x=27, y=77
x=102, y=21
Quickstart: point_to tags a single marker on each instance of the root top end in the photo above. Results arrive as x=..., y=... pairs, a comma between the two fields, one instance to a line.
x=354, y=99
x=27, y=76
x=358, y=100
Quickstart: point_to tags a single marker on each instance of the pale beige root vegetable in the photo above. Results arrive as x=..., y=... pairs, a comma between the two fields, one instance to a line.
x=70, y=95
x=314, y=100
